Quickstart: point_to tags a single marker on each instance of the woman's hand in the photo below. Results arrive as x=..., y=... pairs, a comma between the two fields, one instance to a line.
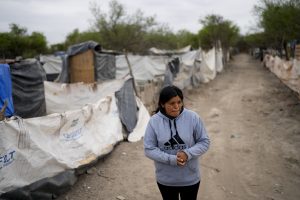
x=181, y=158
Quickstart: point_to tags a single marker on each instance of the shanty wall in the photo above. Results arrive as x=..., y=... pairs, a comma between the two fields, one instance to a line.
x=149, y=94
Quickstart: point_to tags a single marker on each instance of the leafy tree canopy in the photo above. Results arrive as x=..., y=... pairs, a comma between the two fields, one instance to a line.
x=18, y=42
x=217, y=29
x=279, y=20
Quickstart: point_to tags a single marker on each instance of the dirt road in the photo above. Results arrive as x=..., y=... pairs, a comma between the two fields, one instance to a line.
x=253, y=121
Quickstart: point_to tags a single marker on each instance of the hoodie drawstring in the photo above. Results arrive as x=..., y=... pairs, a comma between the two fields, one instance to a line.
x=170, y=128
x=170, y=124
x=175, y=127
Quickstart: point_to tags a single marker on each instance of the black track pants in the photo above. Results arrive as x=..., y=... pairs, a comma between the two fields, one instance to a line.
x=173, y=192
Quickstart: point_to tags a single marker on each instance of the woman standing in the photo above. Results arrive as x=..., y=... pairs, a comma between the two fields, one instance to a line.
x=175, y=138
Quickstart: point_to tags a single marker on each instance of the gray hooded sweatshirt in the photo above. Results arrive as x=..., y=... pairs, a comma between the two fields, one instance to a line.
x=164, y=137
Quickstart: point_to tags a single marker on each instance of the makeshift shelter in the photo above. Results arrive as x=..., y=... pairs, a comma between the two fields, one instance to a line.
x=48, y=150
x=194, y=67
x=188, y=74
x=84, y=61
x=81, y=123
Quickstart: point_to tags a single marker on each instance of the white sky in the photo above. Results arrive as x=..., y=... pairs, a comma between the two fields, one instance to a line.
x=56, y=18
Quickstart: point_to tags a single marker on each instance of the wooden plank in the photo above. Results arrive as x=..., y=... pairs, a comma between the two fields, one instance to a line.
x=297, y=52
x=81, y=67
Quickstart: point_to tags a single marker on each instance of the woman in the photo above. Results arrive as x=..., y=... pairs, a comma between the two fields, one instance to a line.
x=175, y=138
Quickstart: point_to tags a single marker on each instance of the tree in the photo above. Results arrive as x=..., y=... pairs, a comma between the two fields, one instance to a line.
x=120, y=31
x=185, y=38
x=36, y=43
x=216, y=29
x=162, y=38
x=16, y=30
x=280, y=21
x=5, y=39
x=256, y=40
x=18, y=43
x=78, y=37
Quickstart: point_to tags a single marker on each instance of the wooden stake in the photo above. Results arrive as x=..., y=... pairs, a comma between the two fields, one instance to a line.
x=131, y=74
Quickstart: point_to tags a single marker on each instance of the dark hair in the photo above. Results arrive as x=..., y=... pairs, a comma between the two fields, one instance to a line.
x=166, y=94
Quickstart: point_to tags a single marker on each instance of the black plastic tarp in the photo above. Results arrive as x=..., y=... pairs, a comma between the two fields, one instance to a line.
x=46, y=189
x=105, y=66
x=127, y=105
x=28, y=88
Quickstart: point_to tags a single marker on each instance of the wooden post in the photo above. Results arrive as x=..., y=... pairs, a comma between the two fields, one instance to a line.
x=2, y=111
x=131, y=74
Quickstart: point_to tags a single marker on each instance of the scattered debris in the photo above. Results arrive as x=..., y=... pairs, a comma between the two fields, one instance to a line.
x=100, y=173
x=120, y=197
x=278, y=188
x=234, y=136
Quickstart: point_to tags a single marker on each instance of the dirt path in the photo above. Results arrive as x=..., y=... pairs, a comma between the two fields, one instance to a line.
x=253, y=121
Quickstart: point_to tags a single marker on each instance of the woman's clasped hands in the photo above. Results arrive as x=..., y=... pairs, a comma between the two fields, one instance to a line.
x=181, y=158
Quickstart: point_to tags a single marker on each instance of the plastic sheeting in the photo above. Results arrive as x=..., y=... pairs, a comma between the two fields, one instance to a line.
x=171, y=71
x=140, y=128
x=37, y=148
x=219, y=60
x=144, y=68
x=28, y=88
x=64, y=97
x=189, y=70
x=156, y=51
x=6, y=90
x=127, y=105
x=46, y=189
x=287, y=71
x=51, y=64
x=105, y=66
x=37, y=152
x=196, y=67
x=82, y=47
x=208, y=65
x=61, y=97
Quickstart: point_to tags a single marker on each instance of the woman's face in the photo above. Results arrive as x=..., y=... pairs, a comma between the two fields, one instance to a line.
x=173, y=106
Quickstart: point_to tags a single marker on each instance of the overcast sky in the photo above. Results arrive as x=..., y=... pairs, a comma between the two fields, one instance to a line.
x=56, y=18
